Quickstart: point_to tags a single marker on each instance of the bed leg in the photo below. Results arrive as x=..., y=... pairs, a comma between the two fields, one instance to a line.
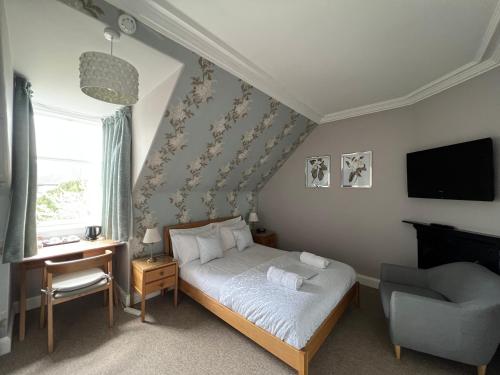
x=303, y=368
x=356, y=296
x=397, y=351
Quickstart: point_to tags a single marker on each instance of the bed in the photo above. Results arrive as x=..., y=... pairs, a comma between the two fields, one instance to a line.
x=234, y=288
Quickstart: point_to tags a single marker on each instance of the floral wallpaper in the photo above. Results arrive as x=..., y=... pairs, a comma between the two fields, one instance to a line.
x=220, y=140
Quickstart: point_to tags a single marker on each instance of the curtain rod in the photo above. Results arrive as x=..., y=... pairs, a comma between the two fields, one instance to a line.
x=60, y=112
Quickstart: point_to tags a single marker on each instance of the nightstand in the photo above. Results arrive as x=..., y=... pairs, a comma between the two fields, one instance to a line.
x=153, y=277
x=268, y=238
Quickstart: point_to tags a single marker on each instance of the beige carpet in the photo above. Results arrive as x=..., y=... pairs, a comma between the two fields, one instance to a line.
x=190, y=340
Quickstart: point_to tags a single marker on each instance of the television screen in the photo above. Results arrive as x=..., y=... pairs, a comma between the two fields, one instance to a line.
x=462, y=171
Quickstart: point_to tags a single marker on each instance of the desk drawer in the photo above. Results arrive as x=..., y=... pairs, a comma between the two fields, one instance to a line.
x=160, y=284
x=160, y=273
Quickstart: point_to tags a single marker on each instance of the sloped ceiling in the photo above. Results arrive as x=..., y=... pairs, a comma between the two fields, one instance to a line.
x=47, y=39
x=339, y=58
x=216, y=144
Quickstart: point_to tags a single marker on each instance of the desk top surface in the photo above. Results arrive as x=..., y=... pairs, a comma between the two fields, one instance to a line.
x=51, y=252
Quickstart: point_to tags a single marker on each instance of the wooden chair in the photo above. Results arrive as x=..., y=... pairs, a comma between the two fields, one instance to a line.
x=65, y=281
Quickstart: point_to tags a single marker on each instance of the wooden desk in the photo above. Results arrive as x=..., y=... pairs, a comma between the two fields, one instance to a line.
x=69, y=251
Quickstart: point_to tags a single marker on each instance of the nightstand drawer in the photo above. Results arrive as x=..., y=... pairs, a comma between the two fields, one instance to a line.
x=267, y=238
x=160, y=284
x=159, y=273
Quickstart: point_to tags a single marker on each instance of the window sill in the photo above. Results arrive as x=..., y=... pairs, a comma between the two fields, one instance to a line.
x=61, y=231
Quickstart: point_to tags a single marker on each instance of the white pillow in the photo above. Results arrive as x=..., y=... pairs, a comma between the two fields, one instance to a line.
x=185, y=248
x=196, y=230
x=228, y=223
x=227, y=236
x=243, y=238
x=210, y=247
x=184, y=245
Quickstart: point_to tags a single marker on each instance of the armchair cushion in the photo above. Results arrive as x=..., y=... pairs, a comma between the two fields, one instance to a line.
x=386, y=289
x=463, y=282
x=77, y=280
x=59, y=294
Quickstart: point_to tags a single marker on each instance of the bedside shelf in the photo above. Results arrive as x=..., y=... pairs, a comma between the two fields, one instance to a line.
x=153, y=277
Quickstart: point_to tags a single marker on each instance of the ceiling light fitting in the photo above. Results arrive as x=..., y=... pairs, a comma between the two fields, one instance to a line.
x=127, y=24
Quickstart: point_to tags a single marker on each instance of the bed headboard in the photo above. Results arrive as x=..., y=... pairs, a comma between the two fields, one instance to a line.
x=167, y=241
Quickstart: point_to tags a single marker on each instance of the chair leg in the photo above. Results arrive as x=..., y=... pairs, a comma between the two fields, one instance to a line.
x=481, y=370
x=110, y=305
x=43, y=299
x=397, y=351
x=50, y=324
x=42, y=310
x=105, y=295
x=115, y=294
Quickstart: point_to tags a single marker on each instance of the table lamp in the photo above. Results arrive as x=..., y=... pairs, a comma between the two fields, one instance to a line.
x=151, y=236
x=252, y=219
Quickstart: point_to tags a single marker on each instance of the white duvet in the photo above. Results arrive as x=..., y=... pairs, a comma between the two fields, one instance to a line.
x=239, y=282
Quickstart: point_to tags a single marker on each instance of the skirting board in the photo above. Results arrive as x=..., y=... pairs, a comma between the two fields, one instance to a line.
x=34, y=302
x=369, y=281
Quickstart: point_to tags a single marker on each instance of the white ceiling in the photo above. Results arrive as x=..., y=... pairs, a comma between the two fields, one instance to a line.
x=46, y=40
x=334, y=59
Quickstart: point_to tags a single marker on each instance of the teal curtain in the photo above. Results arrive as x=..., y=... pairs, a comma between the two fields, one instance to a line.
x=116, y=183
x=20, y=240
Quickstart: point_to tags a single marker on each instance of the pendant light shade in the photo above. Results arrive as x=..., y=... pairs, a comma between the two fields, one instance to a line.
x=108, y=78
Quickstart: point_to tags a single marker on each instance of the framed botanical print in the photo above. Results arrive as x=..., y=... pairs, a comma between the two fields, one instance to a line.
x=318, y=171
x=356, y=170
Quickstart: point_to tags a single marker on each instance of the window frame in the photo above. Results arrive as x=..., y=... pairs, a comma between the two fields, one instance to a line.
x=61, y=230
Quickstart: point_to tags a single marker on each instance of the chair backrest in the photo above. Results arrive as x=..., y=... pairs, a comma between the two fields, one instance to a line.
x=464, y=282
x=103, y=260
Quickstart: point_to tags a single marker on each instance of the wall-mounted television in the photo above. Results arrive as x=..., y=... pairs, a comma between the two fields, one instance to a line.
x=462, y=171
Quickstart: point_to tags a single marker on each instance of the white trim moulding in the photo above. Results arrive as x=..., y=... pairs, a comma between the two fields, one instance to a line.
x=169, y=21
x=369, y=281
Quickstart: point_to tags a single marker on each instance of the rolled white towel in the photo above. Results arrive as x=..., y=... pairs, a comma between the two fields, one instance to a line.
x=281, y=277
x=314, y=260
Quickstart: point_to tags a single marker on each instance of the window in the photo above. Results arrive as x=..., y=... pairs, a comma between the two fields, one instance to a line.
x=69, y=157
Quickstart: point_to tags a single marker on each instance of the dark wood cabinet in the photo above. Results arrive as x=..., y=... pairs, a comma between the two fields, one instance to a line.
x=440, y=244
x=268, y=238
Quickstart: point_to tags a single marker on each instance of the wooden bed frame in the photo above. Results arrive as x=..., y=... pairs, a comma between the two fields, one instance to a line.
x=296, y=358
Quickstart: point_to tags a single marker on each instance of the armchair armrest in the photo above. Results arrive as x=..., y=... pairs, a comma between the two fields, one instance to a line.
x=425, y=324
x=403, y=275
x=461, y=333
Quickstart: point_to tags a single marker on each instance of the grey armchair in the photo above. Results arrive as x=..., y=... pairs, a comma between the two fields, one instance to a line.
x=451, y=311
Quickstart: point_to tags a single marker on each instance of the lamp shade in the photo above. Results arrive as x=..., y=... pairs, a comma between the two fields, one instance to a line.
x=152, y=235
x=108, y=78
x=253, y=218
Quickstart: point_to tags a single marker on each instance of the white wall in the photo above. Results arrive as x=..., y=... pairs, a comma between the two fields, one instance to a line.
x=363, y=226
x=146, y=119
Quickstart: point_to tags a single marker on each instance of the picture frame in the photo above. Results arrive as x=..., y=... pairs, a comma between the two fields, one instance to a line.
x=317, y=171
x=356, y=170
